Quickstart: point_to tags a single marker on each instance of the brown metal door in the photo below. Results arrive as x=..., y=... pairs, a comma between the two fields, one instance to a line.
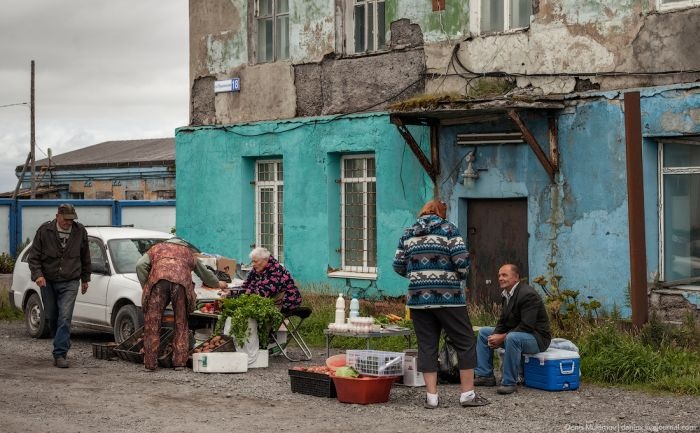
x=497, y=234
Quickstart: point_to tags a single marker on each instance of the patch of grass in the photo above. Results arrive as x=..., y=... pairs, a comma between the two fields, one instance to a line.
x=613, y=356
x=7, y=312
x=426, y=101
x=486, y=87
x=7, y=263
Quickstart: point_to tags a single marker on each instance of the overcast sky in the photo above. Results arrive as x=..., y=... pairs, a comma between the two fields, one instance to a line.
x=104, y=70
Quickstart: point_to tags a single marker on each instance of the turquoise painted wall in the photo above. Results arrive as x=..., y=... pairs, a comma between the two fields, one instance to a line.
x=215, y=167
x=581, y=221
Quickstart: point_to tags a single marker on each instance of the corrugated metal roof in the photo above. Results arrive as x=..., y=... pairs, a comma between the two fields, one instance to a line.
x=124, y=153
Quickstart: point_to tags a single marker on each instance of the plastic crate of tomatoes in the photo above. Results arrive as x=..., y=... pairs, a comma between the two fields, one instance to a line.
x=312, y=380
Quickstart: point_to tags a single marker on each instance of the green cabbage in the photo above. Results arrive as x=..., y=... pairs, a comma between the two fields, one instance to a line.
x=346, y=372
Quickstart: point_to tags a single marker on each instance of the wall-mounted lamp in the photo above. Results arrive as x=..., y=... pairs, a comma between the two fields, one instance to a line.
x=470, y=174
x=87, y=184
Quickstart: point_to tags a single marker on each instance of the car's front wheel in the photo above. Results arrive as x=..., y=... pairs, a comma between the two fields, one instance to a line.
x=126, y=322
x=34, y=317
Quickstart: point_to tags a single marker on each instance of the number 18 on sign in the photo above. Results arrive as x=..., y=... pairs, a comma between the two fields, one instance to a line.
x=231, y=85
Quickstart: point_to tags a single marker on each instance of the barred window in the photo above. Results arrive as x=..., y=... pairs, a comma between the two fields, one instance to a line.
x=359, y=213
x=269, y=186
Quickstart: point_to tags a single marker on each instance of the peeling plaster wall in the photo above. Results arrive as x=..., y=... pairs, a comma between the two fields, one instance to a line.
x=448, y=25
x=319, y=84
x=565, y=36
x=572, y=36
x=675, y=305
x=218, y=36
x=580, y=222
x=344, y=86
x=261, y=96
x=311, y=29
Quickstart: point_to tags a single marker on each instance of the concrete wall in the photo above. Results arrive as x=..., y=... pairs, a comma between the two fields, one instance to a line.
x=564, y=37
x=580, y=222
x=569, y=36
x=215, y=205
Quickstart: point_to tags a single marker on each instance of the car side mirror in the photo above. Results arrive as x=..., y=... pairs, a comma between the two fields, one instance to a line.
x=99, y=268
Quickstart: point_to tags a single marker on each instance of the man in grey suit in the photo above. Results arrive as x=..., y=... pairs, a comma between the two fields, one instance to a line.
x=522, y=328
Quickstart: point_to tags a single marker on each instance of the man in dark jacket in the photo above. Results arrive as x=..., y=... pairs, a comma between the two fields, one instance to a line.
x=522, y=328
x=59, y=261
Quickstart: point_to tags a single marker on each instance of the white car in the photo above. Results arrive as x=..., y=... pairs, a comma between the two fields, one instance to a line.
x=113, y=300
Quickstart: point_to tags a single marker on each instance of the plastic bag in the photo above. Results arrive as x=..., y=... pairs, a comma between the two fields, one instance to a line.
x=563, y=344
x=448, y=363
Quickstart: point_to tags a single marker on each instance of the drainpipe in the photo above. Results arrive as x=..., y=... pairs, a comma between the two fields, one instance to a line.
x=635, y=210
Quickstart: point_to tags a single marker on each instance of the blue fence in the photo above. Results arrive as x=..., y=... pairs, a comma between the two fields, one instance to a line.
x=19, y=219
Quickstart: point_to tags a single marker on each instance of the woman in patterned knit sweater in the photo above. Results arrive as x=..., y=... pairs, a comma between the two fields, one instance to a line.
x=434, y=258
x=270, y=279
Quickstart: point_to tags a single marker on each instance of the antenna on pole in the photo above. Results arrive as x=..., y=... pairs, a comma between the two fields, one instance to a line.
x=32, y=140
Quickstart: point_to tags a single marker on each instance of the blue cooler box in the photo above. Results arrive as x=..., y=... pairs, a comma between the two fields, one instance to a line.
x=553, y=370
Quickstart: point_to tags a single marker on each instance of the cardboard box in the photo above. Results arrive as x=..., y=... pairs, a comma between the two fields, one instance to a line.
x=206, y=260
x=226, y=265
x=220, y=362
x=411, y=375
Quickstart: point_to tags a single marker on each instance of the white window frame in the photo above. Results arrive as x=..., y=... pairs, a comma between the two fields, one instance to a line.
x=365, y=268
x=274, y=16
x=350, y=26
x=277, y=249
x=660, y=5
x=664, y=171
x=475, y=18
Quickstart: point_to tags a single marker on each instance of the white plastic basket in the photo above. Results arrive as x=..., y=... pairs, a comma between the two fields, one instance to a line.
x=375, y=362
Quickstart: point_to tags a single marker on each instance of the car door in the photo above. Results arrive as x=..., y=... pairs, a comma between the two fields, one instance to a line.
x=91, y=307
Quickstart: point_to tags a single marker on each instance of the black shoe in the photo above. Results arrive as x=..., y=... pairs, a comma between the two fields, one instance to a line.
x=485, y=381
x=60, y=362
x=506, y=389
x=475, y=402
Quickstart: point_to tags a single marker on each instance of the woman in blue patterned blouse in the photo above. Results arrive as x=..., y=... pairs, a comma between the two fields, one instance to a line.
x=435, y=259
x=270, y=279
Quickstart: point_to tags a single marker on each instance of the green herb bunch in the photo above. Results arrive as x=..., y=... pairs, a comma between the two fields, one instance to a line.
x=244, y=307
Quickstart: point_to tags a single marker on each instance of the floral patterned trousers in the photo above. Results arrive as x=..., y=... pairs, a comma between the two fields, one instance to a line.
x=163, y=293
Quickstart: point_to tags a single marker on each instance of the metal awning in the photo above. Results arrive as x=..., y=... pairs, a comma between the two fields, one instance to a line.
x=451, y=112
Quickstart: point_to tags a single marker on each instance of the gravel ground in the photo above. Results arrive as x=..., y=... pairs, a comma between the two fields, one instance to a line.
x=116, y=396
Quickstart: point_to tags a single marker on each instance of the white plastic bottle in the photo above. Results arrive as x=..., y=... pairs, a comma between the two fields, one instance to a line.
x=340, y=310
x=354, y=307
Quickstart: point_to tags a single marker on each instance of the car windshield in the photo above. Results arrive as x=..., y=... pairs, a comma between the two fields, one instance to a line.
x=126, y=252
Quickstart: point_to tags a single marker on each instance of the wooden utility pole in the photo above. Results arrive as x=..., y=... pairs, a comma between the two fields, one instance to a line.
x=635, y=210
x=32, y=140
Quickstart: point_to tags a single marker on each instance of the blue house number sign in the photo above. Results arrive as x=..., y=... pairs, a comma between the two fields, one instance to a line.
x=231, y=85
